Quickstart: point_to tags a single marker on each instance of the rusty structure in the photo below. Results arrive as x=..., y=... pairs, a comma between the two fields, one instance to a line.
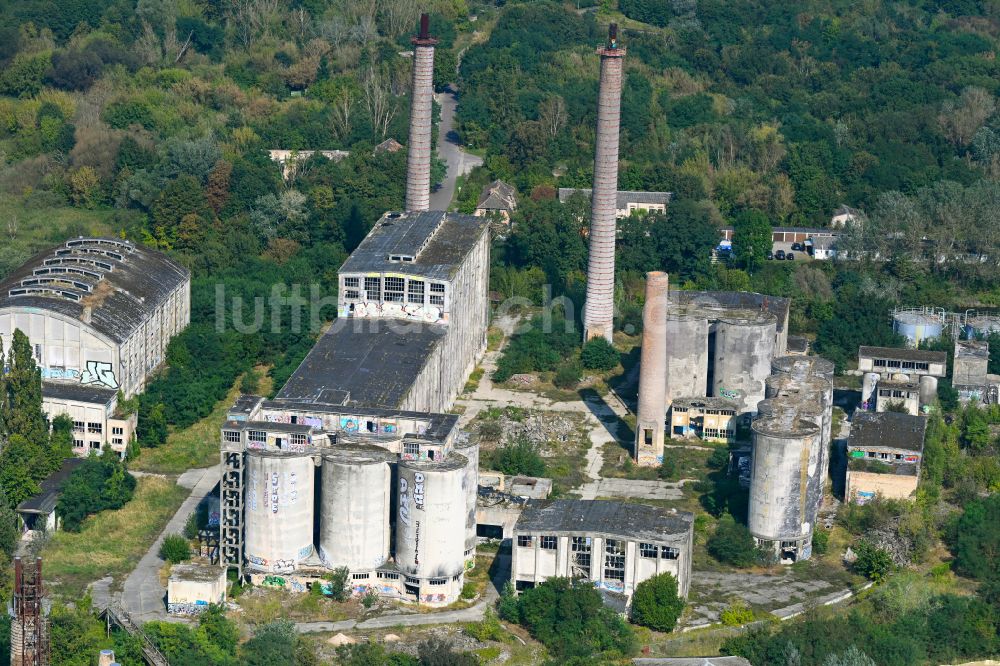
x=418, y=156
x=29, y=611
x=652, y=412
x=598, y=312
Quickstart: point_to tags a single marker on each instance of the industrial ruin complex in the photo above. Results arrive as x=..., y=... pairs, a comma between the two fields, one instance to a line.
x=99, y=313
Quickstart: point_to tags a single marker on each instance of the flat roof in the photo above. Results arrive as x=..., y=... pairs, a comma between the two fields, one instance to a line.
x=898, y=353
x=710, y=402
x=707, y=301
x=363, y=362
x=889, y=430
x=122, y=283
x=973, y=348
x=624, y=198
x=439, y=426
x=77, y=392
x=44, y=502
x=203, y=573
x=633, y=521
x=437, y=242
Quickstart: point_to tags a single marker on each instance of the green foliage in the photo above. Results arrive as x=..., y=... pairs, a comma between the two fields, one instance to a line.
x=656, y=603
x=751, y=239
x=599, y=354
x=719, y=458
x=873, y=562
x=669, y=469
x=507, y=605
x=733, y=544
x=570, y=619
x=542, y=347
x=679, y=242
x=487, y=629
x=212, y=643
x=175, y=549
x=976, y=539
x=338, y=579
x=736, y=614
x=820, y=541
x=468, y=590
x=568, y=375
x=518, y=457
x=858, y=318
x=437, y=651
x=98, y=484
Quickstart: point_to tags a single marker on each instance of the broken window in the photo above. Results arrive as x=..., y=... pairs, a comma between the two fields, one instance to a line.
x=232, y=436
x=524, y=540
x=669, y=553
x=614, y=560
x=649, y=550
x=415, y=292
x=373, y=288
x=394, y=288
x=548, y=542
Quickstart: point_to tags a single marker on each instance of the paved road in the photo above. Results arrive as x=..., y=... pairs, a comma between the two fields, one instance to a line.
x=459, y=162
x=143, y=596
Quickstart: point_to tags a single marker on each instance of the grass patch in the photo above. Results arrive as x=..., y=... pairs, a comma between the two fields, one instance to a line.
x=195, y=446
x=494, y=338
x=474, y=379
x=36, y=227
x=262, y=605
x=111, y=542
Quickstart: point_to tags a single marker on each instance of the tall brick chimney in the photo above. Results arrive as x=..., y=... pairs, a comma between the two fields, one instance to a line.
x=598, y=310
x=652, y=412
x=418, y=155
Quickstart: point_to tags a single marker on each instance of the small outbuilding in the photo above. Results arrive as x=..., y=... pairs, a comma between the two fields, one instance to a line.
x=38, y=513
x=884, y=455
x=192, y=588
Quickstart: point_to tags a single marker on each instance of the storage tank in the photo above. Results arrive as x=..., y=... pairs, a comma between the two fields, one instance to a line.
x=744, y=348
x=928, y=390
x=355, y=507
x=779, y=481
x=279, y=510
x=982, y=325
x=918, y=325
x=470, y=481
x=686, y=375
x=814, y=395
x=817, y=365
x=430, y=494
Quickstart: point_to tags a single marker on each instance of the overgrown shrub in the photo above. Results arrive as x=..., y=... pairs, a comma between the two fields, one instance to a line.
x=656, y=603
x=518, y=457
x=175, y=548
x=736, y=614
x=733, y=544
x=599, y=354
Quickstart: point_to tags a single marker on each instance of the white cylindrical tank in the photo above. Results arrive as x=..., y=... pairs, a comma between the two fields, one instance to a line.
x=686, y=373
x=430, y=495
x=868, y=384
x=744, y=348
x=469, y=448
x=355, y=507
x=928, y=390
x=917, y=326
x=106, y=658
x=817, y=365
x=778, y=508
x=279, y=510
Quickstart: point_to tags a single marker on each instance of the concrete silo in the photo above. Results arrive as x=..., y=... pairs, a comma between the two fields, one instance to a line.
x=430, y=547
x=744, y=348
x=817, y=365
x=280, y=510
x=918, y=325
x=928, y=390
x=779, y=509
x=686, y=374
x=355, y=507
x=469, y=448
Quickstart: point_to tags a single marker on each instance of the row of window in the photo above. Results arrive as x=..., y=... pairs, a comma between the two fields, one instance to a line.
x=904, y=365
x=718, y=432
x=892, y=393
x=583, y=545
x=389, y=575
x=716, y=412
x=393, y=290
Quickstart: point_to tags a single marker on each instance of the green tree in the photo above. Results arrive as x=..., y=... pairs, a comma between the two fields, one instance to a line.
x=571, y=620
x=976, y=539
x=24, y=415
x=852, y=656
x=175, y=549
x=656, y=603
x=599, y=354
x=752, y=239
x=437, y=651
x=9, y=533
x=568, y=375
x=519, y=457
x=873, y=562
x=733, y=544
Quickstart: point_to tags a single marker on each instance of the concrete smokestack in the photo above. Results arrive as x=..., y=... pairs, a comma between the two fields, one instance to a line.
x=418, y=155
x=598, y=310
x=653, y=365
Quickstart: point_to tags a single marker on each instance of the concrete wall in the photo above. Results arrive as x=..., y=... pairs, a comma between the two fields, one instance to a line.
x=743, y=352
x=863, y=486
x=535, y=564
x=116, y=432
x=686, y=373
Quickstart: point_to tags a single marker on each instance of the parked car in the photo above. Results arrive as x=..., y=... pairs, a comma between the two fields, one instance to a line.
x=780, y=254
x=770, y=255
x=798, y=247
x=790, y=256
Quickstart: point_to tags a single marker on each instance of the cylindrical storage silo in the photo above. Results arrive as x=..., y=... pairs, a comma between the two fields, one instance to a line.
x=469, y=448
x=868, y=384
x=817, y=365
x=279, y=510
x=779, y=480
x=928, y=390
x=917, y=326
x=429, y=543
x=686, y=373
x=355, y=492
x=744, y=348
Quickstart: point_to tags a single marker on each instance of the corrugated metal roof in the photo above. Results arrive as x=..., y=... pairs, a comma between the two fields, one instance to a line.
x=122, y=283
x=435, y=242
x=890, y=430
